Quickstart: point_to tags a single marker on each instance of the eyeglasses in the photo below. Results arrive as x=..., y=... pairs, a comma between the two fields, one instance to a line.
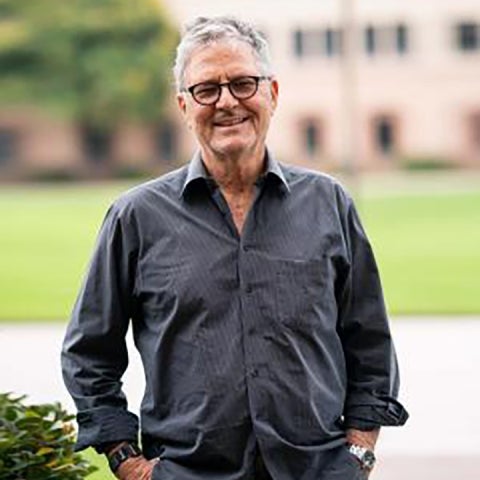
x=242, y=88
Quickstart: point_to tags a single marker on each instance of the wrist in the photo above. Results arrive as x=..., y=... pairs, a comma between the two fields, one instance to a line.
x=109, y=448
x=120, y=453
x=366, y=439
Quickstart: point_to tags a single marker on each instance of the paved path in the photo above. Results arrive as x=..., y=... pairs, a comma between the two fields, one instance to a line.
x=439, y=359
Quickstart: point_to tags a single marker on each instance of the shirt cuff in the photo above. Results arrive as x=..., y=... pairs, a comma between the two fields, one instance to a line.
x=368, y=412
x=102, y=425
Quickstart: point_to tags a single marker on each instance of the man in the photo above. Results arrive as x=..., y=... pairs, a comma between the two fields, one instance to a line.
x=253, y=295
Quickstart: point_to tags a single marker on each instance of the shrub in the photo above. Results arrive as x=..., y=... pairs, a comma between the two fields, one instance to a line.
x=36, y=442
x=425, y=163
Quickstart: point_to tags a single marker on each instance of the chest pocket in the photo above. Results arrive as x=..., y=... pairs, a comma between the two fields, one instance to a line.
x=302, y=291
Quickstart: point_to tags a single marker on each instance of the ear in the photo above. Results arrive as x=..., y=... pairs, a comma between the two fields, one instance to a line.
x=274, y=93
x=182, y=104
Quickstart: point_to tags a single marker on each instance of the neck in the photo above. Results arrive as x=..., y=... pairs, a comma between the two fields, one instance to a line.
x=235, y=174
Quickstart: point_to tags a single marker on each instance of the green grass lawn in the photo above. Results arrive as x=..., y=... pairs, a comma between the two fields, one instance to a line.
x=103, y=472
x=428, y=251
x=427, y=246
x=46, y=238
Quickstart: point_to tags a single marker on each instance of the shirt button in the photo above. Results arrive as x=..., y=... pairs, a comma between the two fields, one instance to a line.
x=246, y=248
x=254, y=373
x=249, y=289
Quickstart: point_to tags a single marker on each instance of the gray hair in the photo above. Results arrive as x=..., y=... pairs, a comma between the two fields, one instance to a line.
x=206, y=30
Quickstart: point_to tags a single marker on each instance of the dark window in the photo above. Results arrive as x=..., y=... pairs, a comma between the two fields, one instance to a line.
x=387, y=39
x=329, y=42
x=298, y=43
x=311, y=138
x=317, y=42
x=402, y=38
x=333, y=41
x=97, y=145
x=8, y=146
x=468, y=36
x=167, y=142
x=370, y=40
x=384, y=135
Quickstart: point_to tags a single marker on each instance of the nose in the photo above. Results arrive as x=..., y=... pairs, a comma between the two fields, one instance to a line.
x=226, y=99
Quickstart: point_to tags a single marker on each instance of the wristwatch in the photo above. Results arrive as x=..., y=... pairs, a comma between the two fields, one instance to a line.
x=115, y=459
x=365, y=456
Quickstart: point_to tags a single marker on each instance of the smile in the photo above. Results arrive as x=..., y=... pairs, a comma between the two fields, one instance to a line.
x=231, y=122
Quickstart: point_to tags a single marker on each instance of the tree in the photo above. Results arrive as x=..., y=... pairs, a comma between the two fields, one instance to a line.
x=99, y=62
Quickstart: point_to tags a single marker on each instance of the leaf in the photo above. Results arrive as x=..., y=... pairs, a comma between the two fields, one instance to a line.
x=44, y=451
x=37, y=444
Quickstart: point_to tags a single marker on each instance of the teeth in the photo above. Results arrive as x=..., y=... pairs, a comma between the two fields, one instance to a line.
x=230, y=123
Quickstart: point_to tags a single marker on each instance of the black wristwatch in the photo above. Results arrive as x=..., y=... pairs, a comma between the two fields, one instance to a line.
x=365, y=456
x=125, y=452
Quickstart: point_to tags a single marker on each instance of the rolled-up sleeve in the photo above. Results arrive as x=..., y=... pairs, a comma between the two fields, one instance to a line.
x=94, y=354
x=372, y=369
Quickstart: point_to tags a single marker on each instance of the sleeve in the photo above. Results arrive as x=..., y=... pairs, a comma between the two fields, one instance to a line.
x=372, y=369
x=94, y=353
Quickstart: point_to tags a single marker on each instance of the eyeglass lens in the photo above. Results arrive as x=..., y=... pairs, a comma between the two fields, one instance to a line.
x=240, y=88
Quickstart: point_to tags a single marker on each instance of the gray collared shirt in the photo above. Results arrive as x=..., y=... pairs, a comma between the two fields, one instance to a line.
x=275, y=339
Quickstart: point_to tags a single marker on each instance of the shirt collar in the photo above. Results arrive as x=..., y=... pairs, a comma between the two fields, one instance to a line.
x=197, y=172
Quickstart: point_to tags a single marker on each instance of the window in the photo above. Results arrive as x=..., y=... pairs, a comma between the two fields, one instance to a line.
x=167, y=142
x=97, y=145
x=384, y=135
x=401, y=39
x=311, y=138
x=370, y=41
x=8, y=146
x=298, y=43
x=312, y=42
x=386, y=39
x=468, y=36
x=326, y=42
x=333, y=40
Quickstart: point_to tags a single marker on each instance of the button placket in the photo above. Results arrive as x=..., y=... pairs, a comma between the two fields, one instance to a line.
x=248, y=316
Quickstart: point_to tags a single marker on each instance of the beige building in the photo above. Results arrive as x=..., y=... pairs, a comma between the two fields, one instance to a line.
x=408, y=91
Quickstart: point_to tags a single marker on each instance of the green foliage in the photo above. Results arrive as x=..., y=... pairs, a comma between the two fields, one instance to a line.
x=99, y=61
x=36, y=442
x=425, y=163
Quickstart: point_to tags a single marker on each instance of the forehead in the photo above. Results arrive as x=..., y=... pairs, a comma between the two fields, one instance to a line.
x=220, y=60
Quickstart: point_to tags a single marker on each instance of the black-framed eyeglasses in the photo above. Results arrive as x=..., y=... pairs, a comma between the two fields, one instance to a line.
x=242, y=88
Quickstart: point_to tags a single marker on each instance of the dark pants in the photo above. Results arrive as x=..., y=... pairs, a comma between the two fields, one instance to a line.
x=261, y=472
x=340, y=466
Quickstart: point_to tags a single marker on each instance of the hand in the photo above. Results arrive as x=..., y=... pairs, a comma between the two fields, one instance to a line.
x=136, y=468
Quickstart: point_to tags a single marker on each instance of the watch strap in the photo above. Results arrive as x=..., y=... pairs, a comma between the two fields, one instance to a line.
x=126, y=451
x=365, y=456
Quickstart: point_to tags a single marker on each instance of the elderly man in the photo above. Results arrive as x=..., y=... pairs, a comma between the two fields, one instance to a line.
x=253, y=295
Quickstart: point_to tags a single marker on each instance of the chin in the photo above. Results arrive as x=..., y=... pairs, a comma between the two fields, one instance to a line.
x=231, y=148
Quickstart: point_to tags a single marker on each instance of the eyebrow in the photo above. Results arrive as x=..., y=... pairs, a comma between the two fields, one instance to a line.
x=235, y=77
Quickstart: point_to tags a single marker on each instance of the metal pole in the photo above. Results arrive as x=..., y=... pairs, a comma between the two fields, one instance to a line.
x=349, y=94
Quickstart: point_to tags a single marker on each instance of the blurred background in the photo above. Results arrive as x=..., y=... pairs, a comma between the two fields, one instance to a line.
x=384, y=95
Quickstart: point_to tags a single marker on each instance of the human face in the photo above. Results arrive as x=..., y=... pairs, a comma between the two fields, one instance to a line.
x=230, y=127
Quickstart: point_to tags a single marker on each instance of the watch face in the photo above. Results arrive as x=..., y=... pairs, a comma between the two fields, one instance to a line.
x=369, y=459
